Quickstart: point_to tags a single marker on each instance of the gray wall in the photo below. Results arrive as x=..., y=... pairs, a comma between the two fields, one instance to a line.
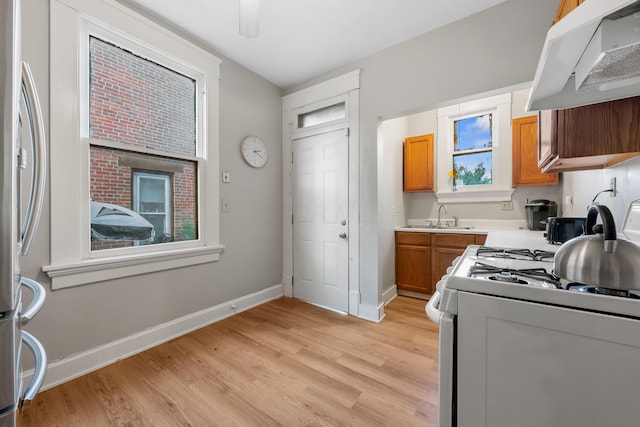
x=80, y=318
x=583, y=186
x=493, y=49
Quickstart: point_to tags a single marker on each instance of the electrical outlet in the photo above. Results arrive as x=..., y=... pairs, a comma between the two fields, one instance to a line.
x=225, y=205
x=506, y=206
x=612, y=186
x=568, y=200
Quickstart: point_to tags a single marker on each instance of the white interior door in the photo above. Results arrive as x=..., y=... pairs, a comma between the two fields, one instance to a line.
x=320, y=219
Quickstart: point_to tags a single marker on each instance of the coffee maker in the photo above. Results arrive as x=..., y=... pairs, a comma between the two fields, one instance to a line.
x=538, y=211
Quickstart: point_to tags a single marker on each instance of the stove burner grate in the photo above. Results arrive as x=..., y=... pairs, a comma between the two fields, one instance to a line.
x=510, y=275
x=526, y=254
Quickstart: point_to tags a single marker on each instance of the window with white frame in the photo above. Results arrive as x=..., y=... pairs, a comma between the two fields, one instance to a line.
x=136, y=114
x=152, y=199
x=474, y=151
x=141, y=113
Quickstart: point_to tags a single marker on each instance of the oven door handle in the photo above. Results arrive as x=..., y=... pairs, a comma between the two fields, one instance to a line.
x=39, y=371
x=432, y=307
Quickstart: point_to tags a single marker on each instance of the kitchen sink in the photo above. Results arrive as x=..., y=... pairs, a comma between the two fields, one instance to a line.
x=437, y=227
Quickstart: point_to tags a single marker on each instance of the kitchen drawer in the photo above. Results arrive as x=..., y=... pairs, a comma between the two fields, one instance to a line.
x=409, y=238
x=453, y=240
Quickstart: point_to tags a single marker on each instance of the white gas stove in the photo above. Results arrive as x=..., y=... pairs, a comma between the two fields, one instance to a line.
x=528, y=275
x=518, y=345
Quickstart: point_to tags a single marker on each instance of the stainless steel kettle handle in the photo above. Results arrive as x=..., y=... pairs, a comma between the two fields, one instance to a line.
x=608, y=224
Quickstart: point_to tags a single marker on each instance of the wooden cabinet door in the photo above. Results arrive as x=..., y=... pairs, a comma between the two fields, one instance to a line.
x=423, y=258
x=589, y=137
x=442, y=259
x=445, y=248
x=418, y=164
x=413, y=268
x=564, y=7
x=525, y=154
x=547, y=137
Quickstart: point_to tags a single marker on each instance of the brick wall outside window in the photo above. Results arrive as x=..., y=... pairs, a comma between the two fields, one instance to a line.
x=136, y=102
x=111, y=182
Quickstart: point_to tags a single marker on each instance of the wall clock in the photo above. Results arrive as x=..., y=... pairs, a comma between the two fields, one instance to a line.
x=254, y=151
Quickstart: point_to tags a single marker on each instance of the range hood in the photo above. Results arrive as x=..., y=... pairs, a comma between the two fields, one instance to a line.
x=591, y=55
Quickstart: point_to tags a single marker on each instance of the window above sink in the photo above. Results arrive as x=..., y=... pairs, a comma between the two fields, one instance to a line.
x=474, y=151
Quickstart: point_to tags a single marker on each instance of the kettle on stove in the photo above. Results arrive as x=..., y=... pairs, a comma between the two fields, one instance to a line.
x=599, y=257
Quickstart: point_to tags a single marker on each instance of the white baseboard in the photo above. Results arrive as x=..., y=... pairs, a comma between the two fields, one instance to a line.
x=66, y=369
x=372, y=313
x=389, y=294
x=287, y=284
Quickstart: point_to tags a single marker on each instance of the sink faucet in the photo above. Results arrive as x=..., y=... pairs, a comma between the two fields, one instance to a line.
x=439, y=212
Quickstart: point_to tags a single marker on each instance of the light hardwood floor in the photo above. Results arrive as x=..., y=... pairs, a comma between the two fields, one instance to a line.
x=284, y=363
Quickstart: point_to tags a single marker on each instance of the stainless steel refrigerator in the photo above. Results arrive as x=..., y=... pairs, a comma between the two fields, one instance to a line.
x=22, y=179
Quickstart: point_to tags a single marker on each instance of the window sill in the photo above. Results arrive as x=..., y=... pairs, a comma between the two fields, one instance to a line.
x=97, y=270
x=474, y=196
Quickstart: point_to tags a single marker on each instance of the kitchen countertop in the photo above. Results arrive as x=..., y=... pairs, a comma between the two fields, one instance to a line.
x=519, y=239
x=500, y=233
x=465, y=226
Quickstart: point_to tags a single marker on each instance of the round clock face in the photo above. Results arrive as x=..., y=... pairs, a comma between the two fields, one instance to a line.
x=254, y=151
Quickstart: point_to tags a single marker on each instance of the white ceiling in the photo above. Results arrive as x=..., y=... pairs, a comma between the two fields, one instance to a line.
x=302, y=39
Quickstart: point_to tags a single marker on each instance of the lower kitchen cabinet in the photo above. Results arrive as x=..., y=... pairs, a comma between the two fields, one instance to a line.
x=423, y=258
x=448, y=246
x=413, y=262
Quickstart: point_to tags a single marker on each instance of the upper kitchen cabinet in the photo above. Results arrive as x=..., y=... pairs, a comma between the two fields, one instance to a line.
x=589, y=137
x=565, y=7
x=525, y=161
x=418, y=164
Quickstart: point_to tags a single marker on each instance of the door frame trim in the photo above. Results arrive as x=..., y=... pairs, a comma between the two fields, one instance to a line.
x=347, y=87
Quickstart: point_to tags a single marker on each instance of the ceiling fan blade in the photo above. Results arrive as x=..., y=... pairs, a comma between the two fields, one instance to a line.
x=249, y=18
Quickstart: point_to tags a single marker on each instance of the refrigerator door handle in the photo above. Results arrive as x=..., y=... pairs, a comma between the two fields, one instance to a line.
x=39, y=371
x=39, y=296
x=36, y=125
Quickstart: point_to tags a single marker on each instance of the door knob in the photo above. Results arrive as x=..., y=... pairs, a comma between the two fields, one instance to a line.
x=342, y=235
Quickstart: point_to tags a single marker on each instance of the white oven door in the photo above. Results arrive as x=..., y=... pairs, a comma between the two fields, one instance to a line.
x=533, y=365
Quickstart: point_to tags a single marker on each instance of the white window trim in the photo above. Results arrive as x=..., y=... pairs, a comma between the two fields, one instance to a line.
x=500, y=189
x=72, y=262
